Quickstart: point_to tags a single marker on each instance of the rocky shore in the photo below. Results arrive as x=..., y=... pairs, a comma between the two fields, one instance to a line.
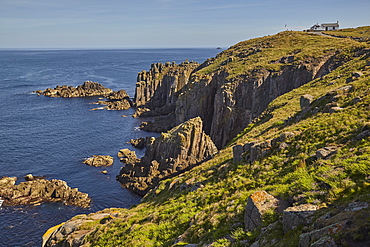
x=173, y=152
x=36, y=191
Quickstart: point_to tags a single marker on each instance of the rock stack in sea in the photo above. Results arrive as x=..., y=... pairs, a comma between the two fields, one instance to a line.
x=99, y=160
x=88, y=88
x=40, y=190
x=119, y=100
x=173, y=152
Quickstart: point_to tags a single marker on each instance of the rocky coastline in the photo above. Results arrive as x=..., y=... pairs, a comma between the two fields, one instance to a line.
x=173, y=152
x=200, y=112
x=39, y=190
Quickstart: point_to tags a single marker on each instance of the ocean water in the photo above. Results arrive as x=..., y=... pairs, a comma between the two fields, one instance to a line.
x=52, y=136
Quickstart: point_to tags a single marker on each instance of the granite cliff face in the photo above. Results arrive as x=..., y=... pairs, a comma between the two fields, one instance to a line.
x=159, y=86
x=228, y=106
x=227, y=102
x=175, y=151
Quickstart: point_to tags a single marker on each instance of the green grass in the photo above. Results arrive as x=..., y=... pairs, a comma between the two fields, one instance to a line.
x=253, y=56
x=359, y=32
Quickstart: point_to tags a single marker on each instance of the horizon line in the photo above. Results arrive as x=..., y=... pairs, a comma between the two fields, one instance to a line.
x=105, y=48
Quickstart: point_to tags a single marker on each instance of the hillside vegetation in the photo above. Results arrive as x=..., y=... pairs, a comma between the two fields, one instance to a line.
x=360, y=33
x=206, y=205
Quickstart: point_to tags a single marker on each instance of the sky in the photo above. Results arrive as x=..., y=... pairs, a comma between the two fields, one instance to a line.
x=164, y=23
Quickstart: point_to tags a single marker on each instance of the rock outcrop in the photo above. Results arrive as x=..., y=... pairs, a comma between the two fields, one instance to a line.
x=119, y=100
x=99, y=160
x=127, y=156
x=297, y=216
x=40, y=190
x=179, y=149
x=258, y=203
x=159, y=87
x=72, y=233
x=88, y=88
x=252, y=151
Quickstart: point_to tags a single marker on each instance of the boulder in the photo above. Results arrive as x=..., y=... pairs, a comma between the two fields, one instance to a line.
x=257, y=204
x=138, y=143
x=305, y=101
x=29, y=177
x=298, y=215
x=99, y=160
x=127, y=156
x=173, y=152
x=326, y=152
x=238, y=151
x=319, y=237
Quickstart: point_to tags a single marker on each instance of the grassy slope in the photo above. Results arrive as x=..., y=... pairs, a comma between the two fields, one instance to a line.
x=247, y=57
x=360, y=32
x=213, y=213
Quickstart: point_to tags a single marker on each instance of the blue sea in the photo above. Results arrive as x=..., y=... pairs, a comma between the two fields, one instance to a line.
x=52, y=136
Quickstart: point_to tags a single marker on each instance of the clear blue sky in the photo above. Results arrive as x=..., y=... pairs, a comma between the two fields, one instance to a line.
x=164, y=23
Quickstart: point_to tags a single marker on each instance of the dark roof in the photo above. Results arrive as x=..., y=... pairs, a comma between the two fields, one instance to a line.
x=330, y=24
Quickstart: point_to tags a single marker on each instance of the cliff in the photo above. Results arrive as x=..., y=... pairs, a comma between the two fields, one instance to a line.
x=234, y=88
x=159, y=86
x=173, y=152
x=297, y=175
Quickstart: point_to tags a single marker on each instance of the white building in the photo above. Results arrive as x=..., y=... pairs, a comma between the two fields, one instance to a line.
x=325, y=26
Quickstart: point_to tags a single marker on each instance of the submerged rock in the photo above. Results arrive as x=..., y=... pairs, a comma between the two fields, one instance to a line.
x=175, y=151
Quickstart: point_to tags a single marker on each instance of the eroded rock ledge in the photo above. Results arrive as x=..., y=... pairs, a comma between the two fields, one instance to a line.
x=40, y=190
x=179, y=149
x=119, y=100
x=88, y=88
